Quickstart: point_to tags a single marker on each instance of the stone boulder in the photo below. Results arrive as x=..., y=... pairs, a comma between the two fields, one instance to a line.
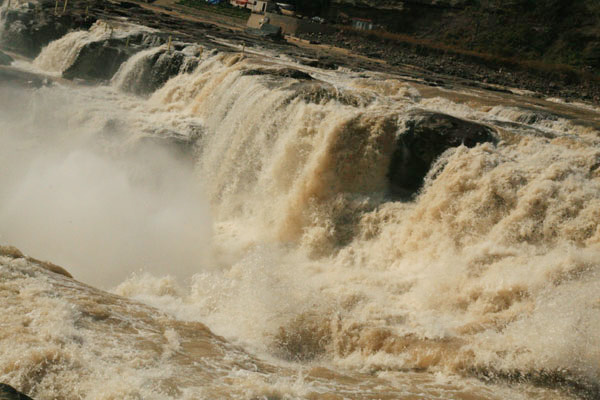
x=425, y=137
x=8, y=392
x=5, y=59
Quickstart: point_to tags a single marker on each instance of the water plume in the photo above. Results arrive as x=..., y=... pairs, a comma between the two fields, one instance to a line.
x=488, y=269
x=100, y=215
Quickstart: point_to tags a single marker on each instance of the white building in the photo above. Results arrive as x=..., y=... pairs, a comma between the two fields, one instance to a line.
x=256, y=6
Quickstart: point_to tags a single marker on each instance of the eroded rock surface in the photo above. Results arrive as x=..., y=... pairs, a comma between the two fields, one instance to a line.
x=31, y=27
x=426, y=136
x=281, y=72
x=153, y=70
x=100, y=60
x=8, y=392
x=5, y=59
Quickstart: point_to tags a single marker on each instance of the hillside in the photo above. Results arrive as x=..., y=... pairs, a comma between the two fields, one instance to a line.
x=553, y=31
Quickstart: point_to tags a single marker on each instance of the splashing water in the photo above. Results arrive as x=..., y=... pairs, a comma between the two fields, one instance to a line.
x=307, y=259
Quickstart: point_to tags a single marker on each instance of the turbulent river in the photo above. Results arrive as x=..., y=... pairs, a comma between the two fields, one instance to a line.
x=242, y=237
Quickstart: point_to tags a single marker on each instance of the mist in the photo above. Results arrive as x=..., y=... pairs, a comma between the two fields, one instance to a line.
x=80, y=188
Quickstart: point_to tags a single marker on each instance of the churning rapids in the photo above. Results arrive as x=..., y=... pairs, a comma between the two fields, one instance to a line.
x=269, y=230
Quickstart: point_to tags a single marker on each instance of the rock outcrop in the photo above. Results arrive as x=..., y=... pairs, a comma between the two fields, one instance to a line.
x=5, y=59
x=426, y=136
x=281, y=72
x=8, y=392
x=150, y=71
x=17, y=78
x=28, y=29
x=100, y=60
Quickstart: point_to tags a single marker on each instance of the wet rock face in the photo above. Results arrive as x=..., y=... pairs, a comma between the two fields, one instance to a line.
x=16, y=78
x=27, y=30
x=100, y=60
x=7, y=392
x=165, y=66
x=427, y=135
x=281, y=72
x=157, y=69
x=5, y=59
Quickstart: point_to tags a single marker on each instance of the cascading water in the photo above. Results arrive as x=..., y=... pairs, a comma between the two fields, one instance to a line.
x=490, y=270
x=148, y=70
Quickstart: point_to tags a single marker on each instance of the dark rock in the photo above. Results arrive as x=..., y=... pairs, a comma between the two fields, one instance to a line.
x=7, y=392
x=165, y=66
x=181, y=146
x=591, y=54
x=153, y=71
x=100, y=60
x=5, y=59
x=97, y=61
x=16, y=78
x=27, y=30
x=427, y=135
x=128, y=5
x=282, y=72
x=323, y=63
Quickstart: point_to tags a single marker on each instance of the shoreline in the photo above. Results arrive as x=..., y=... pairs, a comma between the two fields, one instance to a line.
x=478, y=68
x=352, y=50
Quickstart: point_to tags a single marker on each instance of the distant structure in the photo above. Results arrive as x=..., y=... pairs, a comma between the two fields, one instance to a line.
x=289, y=25
x=260, y=6
x=239, y=3
x=363, y=24
x=256, y=6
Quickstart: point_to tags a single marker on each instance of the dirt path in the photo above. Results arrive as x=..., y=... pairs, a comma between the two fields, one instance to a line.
x=191, y=14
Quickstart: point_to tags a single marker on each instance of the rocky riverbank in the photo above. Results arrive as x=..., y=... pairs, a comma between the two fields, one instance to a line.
x=562, y=84
x=29, y=27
